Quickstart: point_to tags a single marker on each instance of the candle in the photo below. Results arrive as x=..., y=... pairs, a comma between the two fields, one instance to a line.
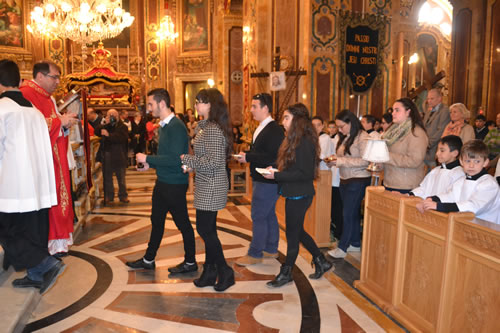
x=138, y=61
x=128, y=59
x=117, y=58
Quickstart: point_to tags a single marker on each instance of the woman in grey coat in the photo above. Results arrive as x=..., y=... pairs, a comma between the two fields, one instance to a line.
x=212, y=148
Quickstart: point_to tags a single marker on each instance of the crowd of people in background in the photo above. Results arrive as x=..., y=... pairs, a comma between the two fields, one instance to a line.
x=285, y=160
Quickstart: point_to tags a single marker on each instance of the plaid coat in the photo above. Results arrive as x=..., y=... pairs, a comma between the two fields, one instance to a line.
x=209, y=163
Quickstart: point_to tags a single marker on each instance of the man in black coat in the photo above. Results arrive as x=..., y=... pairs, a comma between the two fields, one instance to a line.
x=266, y=141
x=113, y=155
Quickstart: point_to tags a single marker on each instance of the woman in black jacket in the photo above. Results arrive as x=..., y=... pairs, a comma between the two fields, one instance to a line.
x=298, y=159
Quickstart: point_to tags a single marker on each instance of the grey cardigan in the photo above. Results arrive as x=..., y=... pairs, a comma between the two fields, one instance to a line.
x=209, y=163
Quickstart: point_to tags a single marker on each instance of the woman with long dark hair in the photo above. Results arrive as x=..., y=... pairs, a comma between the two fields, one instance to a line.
x=298, y=160
x=212, y=147
x=354, y=178
x=407, y=142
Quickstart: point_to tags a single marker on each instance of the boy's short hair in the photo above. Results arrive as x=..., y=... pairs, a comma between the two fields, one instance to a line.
x=474, y=149
x=370, y=119
x=481, y=117
x=317, y=118
x=453, y=142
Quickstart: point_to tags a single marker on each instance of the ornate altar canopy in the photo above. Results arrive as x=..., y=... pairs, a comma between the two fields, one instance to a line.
x=106, y=87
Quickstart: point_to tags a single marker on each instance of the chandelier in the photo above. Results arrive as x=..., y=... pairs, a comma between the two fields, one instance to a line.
x=83, y=21
x=166, y=31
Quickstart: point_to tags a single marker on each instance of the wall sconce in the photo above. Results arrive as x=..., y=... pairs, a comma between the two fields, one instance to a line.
x=211, y=83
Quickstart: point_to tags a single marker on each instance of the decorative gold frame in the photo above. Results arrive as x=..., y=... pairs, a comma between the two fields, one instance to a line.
x=205, y=51
x=26, y=48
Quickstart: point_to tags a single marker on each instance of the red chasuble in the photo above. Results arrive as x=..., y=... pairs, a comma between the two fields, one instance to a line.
x=60, y=216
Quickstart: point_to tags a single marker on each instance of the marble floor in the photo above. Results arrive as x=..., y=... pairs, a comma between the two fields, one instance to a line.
x=97, y=293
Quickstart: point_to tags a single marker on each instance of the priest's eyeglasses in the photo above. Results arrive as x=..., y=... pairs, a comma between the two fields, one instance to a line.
x=54, y=77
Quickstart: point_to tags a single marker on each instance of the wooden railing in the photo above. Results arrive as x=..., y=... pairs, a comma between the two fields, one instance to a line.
x=433, y=272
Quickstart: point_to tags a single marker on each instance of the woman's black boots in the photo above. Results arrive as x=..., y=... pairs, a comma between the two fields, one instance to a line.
x=225, y=277
x=321, y=266
x=284, y=277
x=207, y=277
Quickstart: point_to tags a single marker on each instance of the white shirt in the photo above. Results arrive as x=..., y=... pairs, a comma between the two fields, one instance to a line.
x=261, y=127
x=374, y=135
x=497, y=170
x=335, y=170
x=165, y=121
x=477, y=196
x=438, y=181
x=325, y=149
x=27, y=180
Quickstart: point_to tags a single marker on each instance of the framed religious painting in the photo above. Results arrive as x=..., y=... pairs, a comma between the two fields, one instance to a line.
x=194, y=20
x=14, y=16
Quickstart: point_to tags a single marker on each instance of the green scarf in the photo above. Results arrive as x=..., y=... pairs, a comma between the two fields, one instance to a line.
x=396, y=132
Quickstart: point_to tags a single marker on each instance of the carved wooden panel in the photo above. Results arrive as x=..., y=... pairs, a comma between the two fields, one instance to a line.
x=436, y=223
x=380, y=234
x=494, y=77
x=462, y=24
x=323, y=102
x=476, y=298
x=382, y=250
x=423, y=274
x=235, y=99
x=477, y=239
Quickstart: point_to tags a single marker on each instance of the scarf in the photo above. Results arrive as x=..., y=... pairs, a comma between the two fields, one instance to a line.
x=397, y=132
x=453, y=128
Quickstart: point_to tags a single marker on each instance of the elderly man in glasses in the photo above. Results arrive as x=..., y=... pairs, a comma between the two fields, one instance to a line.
x=46, y=77
x=266, y=141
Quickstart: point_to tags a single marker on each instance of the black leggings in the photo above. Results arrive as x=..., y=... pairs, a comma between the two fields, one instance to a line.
x=295, y=211
x=206, y=225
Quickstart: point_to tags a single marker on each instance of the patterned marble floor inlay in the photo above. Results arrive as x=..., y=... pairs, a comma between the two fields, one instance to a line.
x=223, y=311
x=123, y=300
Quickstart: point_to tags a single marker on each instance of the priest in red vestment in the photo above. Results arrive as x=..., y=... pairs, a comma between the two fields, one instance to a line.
x=46, y=76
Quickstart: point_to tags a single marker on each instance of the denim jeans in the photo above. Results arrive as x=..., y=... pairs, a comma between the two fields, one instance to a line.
x=352, y=194
x=36, y=273
x=265, y=229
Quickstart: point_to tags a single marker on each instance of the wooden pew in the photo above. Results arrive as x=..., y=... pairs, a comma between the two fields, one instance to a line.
x=432, y=272
x=379, y=248
x=471, y=292
x=420, y=265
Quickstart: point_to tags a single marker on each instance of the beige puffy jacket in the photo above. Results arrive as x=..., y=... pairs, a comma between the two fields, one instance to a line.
x=353, y=165
x=405, y=169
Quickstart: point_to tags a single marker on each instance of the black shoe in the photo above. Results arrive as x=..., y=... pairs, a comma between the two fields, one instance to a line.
x=125, y=201
x=60, y=255
x=26, y=282
x=140, y=264
x=183, y=267
x=106, y=202
x=207, y=277
x=50, y=277
x=284, y=277
x=225, y=278
x=321, y=266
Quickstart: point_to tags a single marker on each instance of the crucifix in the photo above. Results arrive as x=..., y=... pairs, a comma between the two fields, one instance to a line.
x=290, y=88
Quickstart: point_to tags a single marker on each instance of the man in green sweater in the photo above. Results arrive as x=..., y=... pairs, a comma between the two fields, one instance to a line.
x=169, y=193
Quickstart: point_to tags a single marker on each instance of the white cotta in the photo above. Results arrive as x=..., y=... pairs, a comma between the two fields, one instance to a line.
x=27, y=180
